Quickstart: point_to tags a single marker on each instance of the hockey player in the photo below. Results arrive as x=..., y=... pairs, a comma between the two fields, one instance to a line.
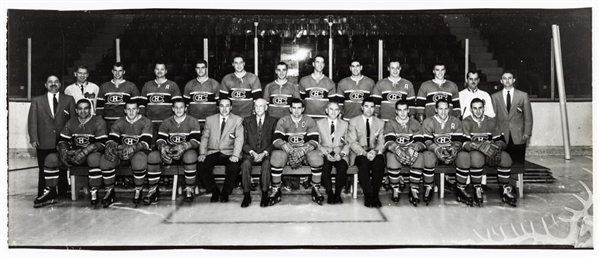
x=241, y=88
x=178, y=141
x=472, y=92
x=128, y=144
x=389, y=90
x=201, y=94
x=113, y=95
x=296, y=139
x=81, y=143
x=317, y=90
x=433, y=90
x=280, y=93
x=486, y=142
x=444, y=138
x=352, y=90
x=404, y=142
x=157, y=96
x=335, y=149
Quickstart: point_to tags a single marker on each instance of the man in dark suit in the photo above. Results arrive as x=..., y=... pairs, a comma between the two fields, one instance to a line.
x=258, y=144
x=221, y=144
x=365, y=136
x=513, y=113
x=48, y=115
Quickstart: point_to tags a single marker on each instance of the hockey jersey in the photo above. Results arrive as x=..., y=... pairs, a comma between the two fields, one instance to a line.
x=112, y=98
x=202, y=98
x=396, y=134
x=130, y=133
x=241, y=91
x=297, y=134
x=442, y=133
x=158, y=99
x=80, y=135
x=173, y=133
x=351, y=94
x=430, y=92
x=487, y=130
x=280, y=98
x=316, y=93
x=386, y=93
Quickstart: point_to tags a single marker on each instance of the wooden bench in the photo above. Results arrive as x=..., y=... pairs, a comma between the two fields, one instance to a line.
x=79, y=176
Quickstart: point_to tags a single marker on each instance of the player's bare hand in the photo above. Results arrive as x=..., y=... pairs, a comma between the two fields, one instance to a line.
x=201, y=158
x=35, y=145
x=337, y=157
x=234, y=159
x=371, y=155
x=526, y=137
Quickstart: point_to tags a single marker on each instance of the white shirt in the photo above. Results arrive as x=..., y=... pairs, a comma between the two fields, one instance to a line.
x=260, y=119
x=221, y=118
x=370, y=120
x=512, y=95
x=466, y=96
x=89, y=88
x=51, y=101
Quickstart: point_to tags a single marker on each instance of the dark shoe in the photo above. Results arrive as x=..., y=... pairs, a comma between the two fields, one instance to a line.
x=275, y=196
x=507, y=196
x=330, y=198
x=413, y=196
x=428, y=195
x=463, y=196
x=247, y=200
x=151, y=197
x=316, y=195
x=376, y=202
x=94, y=197
x=224, y=196
x=109, y=198
x=264, y=199
x=368, y=201
x=215, y=195
x=338, y=198
x=396, y=195
x=137, y=197
x=478, y=195
x=48, y=197
x=189, y=194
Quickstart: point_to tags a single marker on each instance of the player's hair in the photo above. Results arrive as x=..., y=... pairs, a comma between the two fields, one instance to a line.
x=297, y=100
x=119, y=64
x=238, y=56
x=84, y=100
x=441, y=100
x=477, y=100
x=355, y=60
x=395, y=61
x=368, y=99
x=176, y=100
x=282, y=63
x=321, y=56
x=132, y=101
x=401, y=102
x=160, y=62
x=438, y=64
x=202, y=62
x=513, y=73
x=82, y=67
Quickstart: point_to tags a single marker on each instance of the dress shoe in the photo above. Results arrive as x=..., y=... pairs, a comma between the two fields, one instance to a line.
x=224, y=196
x=330, y=197
x=376, y=203
x=215, y=195
x=247, y=200
x=338, y=198
x=368, y=200
x=264, y=199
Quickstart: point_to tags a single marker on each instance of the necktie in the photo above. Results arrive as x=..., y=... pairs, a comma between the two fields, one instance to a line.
x=260, y=124
x=368, y=134
x=82, y=92
x=223, y=126
x=508, y=101
x=332, y=131
x=54, y=103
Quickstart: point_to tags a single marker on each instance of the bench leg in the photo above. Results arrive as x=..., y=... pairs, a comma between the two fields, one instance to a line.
x=520, y=184
x=483, y=179
x=355, y=186
x=174, y=193
x=73, y=189
x=442, y=183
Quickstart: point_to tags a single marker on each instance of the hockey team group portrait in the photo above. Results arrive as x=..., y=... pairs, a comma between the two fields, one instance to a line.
x=415, y=129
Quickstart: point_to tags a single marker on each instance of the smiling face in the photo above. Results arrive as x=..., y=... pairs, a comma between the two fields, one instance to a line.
x=52, y=84
x=402, y=111
x=238, y=64
x=439, y=71
x=394, y=69
x=179, y=109
x=224, y=107
x=83, y=109
x=82, y=75
x=368, y=108
x=333, y=110
x=281, y=72
x=319, y=64
x=442, y=110
x=477, y=110
x=160, y=70
x=356, y=68
x=131, y=110
x=118, y=72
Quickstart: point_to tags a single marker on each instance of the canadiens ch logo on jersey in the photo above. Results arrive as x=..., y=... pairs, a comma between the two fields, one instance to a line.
x=357, y=96
x=317, y=94
x=296, y=139
x=479, y=137
x=403, y=139
x=157, y=99
x=238, y=94
x=443, y=139
x=279, y=100
x=394, y=96
x=201, y=97
x=176, y=138
x=129, y=140
x=81, y=140
x=437, y=97
x=115, y=99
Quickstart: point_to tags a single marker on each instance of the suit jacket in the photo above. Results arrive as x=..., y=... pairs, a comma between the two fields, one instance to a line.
x=340, y=140
x=251, y=137
x=45, y=128
x=519, y=120
x=357, y=135
x=230, y=142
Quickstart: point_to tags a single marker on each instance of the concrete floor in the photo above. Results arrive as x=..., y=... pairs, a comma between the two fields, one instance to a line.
x=550, y=215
